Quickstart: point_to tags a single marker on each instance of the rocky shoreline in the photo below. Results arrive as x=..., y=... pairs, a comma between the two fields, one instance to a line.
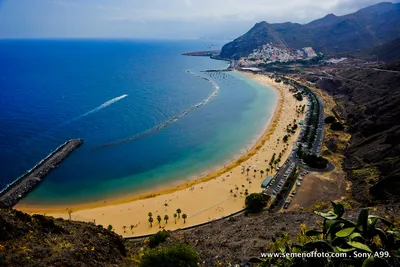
x=24, y=184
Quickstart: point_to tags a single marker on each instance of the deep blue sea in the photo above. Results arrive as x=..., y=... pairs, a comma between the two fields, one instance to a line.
x=106, y=91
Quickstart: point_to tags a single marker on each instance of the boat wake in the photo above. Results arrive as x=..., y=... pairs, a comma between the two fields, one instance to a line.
x=104, y=105
x=171, y=120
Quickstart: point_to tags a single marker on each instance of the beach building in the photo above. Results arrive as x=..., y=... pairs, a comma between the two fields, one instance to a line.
x=266, y=181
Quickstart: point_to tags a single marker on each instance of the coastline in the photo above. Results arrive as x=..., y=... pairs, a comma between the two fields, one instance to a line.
x=212, y=183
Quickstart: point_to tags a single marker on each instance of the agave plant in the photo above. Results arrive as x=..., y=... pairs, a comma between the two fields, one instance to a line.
x=363, y=243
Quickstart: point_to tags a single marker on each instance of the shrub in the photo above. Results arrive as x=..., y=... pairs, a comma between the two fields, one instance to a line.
x=337, y=126
x=173, y=256
x=255, y=202
x=330, y=119
x=158, y=238
x=315, y=162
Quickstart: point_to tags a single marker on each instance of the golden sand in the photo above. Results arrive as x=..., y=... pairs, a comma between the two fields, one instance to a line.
x=213, y=196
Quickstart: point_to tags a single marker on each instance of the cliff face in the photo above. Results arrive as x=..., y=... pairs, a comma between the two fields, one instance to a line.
x=369, y=100
x=44, y=241
x=366, y=28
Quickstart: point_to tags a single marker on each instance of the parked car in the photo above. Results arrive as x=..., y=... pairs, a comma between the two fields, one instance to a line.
x=300, y=179
x=298, y=184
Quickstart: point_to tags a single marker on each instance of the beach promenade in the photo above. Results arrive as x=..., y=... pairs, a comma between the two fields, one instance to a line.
x=217, y=194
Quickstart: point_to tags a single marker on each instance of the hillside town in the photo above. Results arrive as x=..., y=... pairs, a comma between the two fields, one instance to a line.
x=268, y=53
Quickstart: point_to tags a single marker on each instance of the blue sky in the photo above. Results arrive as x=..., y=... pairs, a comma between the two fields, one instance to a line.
x=157, y=18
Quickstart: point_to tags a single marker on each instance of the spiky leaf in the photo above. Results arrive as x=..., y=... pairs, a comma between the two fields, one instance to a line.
x=359, y=245
x=363, y=219
x=345, y=232
x=328, y=224
x=327, y=215
x=338, y=209
x=355, y=235
x=396, y=234
x=345, y=249
x=385, y=221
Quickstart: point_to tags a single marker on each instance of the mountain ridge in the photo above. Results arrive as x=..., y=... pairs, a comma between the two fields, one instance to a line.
x=363, y=29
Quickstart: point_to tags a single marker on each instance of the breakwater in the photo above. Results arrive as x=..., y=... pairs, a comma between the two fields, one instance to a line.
x=27, y=182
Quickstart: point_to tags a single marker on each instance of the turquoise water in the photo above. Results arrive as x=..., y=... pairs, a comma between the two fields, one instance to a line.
x=56, y=90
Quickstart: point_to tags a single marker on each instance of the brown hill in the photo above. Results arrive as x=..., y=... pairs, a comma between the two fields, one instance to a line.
x=45, y=241
x=369, y=99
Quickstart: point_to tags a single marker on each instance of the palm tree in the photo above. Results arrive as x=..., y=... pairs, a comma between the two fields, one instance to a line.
x=261, y=173
x=184, y=216
x=150, y=214
x=246, y=192
x=175, y=215
x=248, y=171
x=231, y=191
x=166, y=219
x=267, y=170
x=179, y=213
x=124, y=227
x=132, y=228
x=159, y=219
x=151, y=221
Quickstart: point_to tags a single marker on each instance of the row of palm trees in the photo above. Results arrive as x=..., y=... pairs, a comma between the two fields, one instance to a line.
x=166, y=217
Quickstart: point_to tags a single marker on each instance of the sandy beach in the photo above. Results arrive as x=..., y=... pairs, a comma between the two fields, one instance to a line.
x=213, y=196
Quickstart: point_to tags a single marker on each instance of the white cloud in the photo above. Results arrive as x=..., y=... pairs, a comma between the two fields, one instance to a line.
x=170, y=17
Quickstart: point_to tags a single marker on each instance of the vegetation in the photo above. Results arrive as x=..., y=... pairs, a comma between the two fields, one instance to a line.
x=299, y=96
x=315, y=161
x=44, y=241
x=177, y=255
x=184, y=216
x=337, y=126
x=371, y=238
x=255, y=202
x=158, y=238
x=330, y=119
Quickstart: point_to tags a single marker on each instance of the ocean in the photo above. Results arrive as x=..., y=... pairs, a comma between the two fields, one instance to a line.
x=148, y=115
